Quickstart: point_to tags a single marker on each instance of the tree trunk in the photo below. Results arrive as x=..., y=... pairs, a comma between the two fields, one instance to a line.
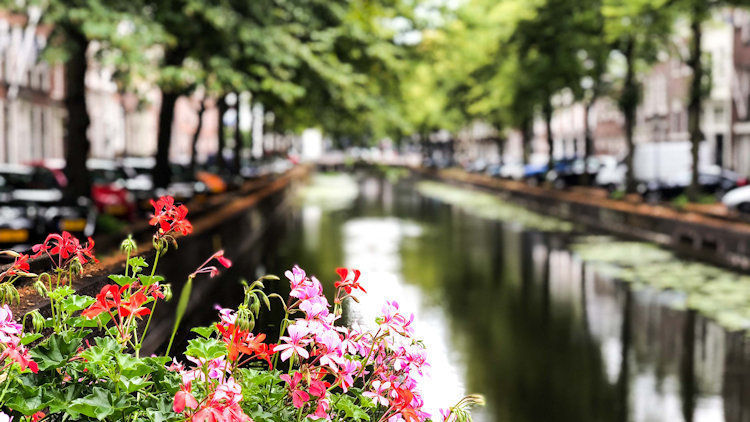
x=547, y=111
x=77, y=120
x=196, y=136
x=238, y=141
x=162, y=172
x=527, y=136
x=222, y=140
x=628, y=104
x=588, y=140
x=696, y=94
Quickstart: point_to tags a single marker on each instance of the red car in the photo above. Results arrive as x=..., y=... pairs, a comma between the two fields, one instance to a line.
x=108, y=189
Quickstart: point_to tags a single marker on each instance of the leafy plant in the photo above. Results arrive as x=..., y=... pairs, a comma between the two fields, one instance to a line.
x=90, y=367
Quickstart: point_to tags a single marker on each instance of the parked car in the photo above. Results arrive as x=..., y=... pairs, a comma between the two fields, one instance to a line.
x=108, y=189
x=32, y=204
x=573, y=171
x=716, y=180
x=611, y=173
x=738, y=199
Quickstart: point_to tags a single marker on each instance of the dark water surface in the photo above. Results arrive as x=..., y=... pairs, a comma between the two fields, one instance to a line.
x=512, y=314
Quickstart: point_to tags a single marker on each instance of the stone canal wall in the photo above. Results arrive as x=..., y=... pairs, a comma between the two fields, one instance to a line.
x=717, y=240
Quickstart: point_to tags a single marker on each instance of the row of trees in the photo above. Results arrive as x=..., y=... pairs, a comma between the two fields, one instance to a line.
x=503, y=61
x=363, y=69
x=323, y=63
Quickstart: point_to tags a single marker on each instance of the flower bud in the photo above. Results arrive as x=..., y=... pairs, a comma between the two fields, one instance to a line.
x=255, y=307
x=128, y=245
x=9, y=294
x=37, y=321
x=12, y=254
x=76, y=267
x=245, y=320
x=40, y=287
x=166, y=289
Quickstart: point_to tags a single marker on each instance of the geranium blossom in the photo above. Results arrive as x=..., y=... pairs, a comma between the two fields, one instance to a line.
x=66, y=247
x=294, y=343
x=170, y=218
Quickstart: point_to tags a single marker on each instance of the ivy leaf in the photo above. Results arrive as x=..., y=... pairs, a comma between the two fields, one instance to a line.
x=351, y=410
x=30, y=338
x=148, y=280
x=75, y=303
x=134, y=383
x=61, y=292
x=121, y=279
x=137, y=263
x=204, y=332
x=97, y=405
x=206, y=349
x=56, y=350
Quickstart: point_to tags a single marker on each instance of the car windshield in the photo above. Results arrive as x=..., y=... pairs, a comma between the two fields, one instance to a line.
x=38, y=178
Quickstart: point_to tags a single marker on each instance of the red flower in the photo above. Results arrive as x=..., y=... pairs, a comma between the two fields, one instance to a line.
x=20, y=264
x=241, y=342
x=112, y=297
x=107, y=299
x=65, y=246
x=170, y=218
x=211, y=269
x=132, y=306
x=349, y=280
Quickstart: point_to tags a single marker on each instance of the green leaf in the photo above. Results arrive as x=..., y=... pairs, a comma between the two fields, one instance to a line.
x=97, y=405
x=148, y=280
x=134, y=383
x=137, y=262
x=121, y=279
x=204, y=332
x=206, y=349
x=351, y=410
x=75, y=303
x=56, y=350
x=30, y=338
x=61, y=292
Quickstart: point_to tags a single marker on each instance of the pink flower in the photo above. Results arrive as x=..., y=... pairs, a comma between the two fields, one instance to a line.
x=10, y=331
x=294, y=343
x=184, y=398
x=296, y=276
x=5, y=418
x=315, y=307
x=379, y=392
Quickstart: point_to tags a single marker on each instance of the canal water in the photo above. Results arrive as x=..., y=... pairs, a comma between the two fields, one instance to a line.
x=511, y=313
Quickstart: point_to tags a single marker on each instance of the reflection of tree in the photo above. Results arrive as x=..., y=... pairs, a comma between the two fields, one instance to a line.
x=736, y=388
x=687, y=372
x=623, y=383
x=530, y=362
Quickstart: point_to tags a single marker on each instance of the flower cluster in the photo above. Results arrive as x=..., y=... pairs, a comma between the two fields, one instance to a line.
x=11, y=350
x=169, y=218
x=386, y=363
x=67, y=248
x=124, y=304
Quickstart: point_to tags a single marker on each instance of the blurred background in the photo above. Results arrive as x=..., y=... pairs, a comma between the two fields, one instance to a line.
x=643, y=105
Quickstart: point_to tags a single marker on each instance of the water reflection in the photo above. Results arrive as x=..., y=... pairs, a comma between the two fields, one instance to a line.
x=514, y=315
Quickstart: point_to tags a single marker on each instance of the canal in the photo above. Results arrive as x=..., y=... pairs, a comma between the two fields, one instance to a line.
x=510, y=311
